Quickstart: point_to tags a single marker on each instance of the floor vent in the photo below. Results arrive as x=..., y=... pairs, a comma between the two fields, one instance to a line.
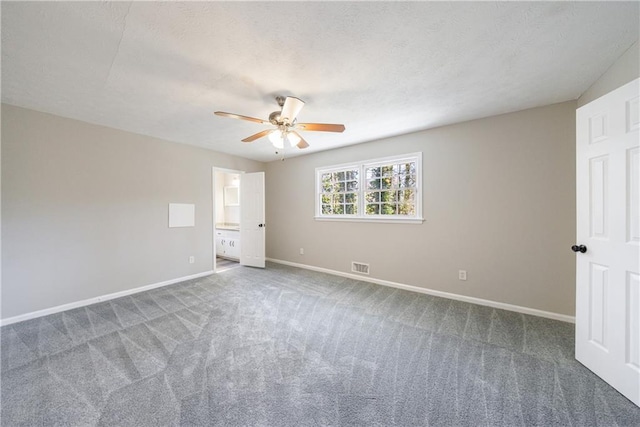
x=359, y=267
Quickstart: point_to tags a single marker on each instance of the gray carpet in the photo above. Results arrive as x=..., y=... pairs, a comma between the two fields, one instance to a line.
x=284, y=346
x=223, y=264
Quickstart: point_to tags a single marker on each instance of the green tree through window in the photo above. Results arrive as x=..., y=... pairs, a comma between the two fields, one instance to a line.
x=340, y=192
x=391, y=189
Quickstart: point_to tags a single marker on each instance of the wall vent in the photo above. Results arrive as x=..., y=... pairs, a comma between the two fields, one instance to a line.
x=359, y=267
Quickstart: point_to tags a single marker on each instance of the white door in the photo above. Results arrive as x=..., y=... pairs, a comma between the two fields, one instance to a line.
x=252, y=225
x=608, y=221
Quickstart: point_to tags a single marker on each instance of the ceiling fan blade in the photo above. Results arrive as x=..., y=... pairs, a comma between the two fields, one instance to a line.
x=321, y=127
x=238, y=116
x=258, y=135
x=302, y=143
x=291, y=108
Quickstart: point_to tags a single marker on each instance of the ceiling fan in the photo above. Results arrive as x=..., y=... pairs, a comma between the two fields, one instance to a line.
x=286, y=124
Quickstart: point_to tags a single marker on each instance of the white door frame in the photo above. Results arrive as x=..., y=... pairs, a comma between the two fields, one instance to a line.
x=213, y=206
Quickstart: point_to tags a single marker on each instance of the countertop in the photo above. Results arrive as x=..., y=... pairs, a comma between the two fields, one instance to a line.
x=227, y=226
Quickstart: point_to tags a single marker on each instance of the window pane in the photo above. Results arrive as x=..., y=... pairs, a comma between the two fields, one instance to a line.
x=373, y=184
x=387, y=170
x=373, y=209
x=373, y=172
x=407, y=195
x=406, y=209
x=388, y=209
x=387, y=182
x=350, y=209
x=408, y=167
x=326, y=182
x=405, y=181
x=338, y=188
x=352, y=175
x=388, y=196
x=372, y=196
x=350, y=198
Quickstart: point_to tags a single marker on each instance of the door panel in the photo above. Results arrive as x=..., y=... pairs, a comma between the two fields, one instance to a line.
x=608, y=198
x=633, y=320
x=598, y=188
x=598, y=291
x=633, y=196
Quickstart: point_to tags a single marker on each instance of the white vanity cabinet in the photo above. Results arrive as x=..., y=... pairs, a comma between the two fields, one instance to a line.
x=228, y=243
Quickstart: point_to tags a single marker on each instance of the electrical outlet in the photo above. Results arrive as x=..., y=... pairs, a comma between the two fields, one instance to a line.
x=301, y=251
x=462, y=274
x=192, y=259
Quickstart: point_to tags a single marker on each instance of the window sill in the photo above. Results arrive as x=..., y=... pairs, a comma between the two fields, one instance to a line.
x=379, y=220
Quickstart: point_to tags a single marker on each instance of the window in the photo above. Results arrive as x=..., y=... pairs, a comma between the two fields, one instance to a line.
x=339, y=191
x=375, y=190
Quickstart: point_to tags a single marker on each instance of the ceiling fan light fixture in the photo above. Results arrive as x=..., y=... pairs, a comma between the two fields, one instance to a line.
x=290, y=109
x=277, y=139
x=293, y=139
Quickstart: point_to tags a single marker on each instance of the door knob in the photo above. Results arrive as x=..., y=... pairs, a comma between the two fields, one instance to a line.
x=262, y=225
x=581, y=248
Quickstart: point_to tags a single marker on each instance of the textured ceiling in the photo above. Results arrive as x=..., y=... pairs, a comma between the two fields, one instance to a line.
x=382, y=69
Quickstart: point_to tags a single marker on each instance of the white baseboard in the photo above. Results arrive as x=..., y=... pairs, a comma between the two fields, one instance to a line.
x=472, y=300
x=72, y=305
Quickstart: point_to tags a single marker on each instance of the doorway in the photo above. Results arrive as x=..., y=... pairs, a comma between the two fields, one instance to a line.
x=226, y=219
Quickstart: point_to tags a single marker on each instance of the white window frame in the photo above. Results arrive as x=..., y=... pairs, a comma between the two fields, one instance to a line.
x=361, y=167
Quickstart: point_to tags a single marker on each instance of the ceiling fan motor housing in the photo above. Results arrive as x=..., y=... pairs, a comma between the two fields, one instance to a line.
x=274, y=118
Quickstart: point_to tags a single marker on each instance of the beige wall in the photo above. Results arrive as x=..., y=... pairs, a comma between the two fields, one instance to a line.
x=499, y=202
x=624, y=70
x=84, y=210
